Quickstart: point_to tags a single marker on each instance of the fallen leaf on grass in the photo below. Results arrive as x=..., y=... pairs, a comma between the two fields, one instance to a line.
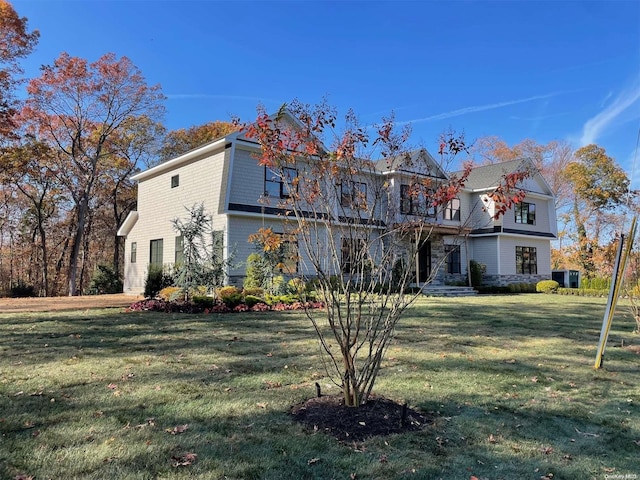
x=177, y=429
x=492, y=439
x=261, y=405
x=510, y=361
x=383, y=459
x=183, y=460
x=637, y=442
x=313, y=460
x=546, y=450
x=22, y=476
x=112, y=386
x=548, y=476
x=587, y=434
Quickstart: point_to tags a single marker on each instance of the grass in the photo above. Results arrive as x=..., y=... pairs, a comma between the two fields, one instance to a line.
x=103, y=394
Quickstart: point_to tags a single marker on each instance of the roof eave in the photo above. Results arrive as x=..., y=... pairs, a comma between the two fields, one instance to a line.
x=128, y=224
x=176, y=162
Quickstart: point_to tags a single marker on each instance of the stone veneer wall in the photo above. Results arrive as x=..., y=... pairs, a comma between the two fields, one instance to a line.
x=504, y=280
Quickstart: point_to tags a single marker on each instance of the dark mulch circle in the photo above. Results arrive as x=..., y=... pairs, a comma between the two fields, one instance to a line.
x=379, y=416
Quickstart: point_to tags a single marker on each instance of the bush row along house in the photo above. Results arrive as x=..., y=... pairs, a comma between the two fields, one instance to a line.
x=226, y=178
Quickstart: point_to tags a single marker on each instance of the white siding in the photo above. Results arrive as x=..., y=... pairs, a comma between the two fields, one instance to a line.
x=242, y=226
x=485, y=251
x=158, y=203
x=542, y=224
x=508, y=253
x=247, y=179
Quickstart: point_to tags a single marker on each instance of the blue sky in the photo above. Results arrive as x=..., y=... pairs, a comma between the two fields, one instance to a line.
x=514, y=69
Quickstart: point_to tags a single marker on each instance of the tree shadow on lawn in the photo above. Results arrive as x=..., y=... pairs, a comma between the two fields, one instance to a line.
x=473, y=435
x=128, y=334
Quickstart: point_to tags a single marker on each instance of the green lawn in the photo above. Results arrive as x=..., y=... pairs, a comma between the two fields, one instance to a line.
x=110, y=395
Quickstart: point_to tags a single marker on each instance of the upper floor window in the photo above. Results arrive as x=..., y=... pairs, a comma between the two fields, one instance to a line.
x=526, y=260
x=414, y=201
x=175, y=181
x=525, y=213
x=277, y=185
x=452, y=210
x=353, y=194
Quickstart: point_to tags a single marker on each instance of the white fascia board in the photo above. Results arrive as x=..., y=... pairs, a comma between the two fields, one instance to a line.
x=128, y=224
x=182, y=159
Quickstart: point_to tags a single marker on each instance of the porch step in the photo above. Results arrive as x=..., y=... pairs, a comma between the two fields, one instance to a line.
x=448, y=291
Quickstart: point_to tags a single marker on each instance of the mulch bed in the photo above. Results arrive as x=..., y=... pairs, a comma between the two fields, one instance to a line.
x=379, y=416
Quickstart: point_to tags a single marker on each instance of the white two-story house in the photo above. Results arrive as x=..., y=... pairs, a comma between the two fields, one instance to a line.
x=226, y=178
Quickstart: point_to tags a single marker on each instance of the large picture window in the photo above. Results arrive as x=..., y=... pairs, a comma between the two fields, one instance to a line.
x=526, y=260
x=277, y=185
x=526, y=213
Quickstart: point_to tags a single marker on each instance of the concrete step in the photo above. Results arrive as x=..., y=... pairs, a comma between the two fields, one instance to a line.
x=448, y=291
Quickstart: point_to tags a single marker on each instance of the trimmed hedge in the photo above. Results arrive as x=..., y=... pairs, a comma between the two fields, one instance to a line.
x=547, y=286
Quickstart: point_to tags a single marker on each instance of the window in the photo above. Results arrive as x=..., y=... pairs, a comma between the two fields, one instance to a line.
x=452, y=211
x=289, y=259
x=352, y=250
x=526, y=260
x=217, y=241
x=353, y=194
x=453, y=258
x=275, y=185
x=179, y=250
x=175, y=181
x=526, y=213
x=155, y=255
x=414, y=201
x=134, y=252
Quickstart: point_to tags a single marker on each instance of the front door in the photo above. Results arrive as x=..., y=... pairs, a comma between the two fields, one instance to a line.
x=423, y=262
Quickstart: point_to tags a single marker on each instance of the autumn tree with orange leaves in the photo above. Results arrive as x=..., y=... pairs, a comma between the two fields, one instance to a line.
x=16, y=42
x=88, y=112
x=358, y=231
x=180, y=141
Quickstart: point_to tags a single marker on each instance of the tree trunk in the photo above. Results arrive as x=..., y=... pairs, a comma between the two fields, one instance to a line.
x=75, y=246
x=45, y=256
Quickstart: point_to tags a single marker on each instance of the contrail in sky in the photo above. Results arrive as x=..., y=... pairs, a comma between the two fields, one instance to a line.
x=476, y=108
x=595, y=126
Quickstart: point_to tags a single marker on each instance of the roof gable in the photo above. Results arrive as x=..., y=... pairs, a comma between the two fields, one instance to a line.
x=488, y=177
x=419, y=162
